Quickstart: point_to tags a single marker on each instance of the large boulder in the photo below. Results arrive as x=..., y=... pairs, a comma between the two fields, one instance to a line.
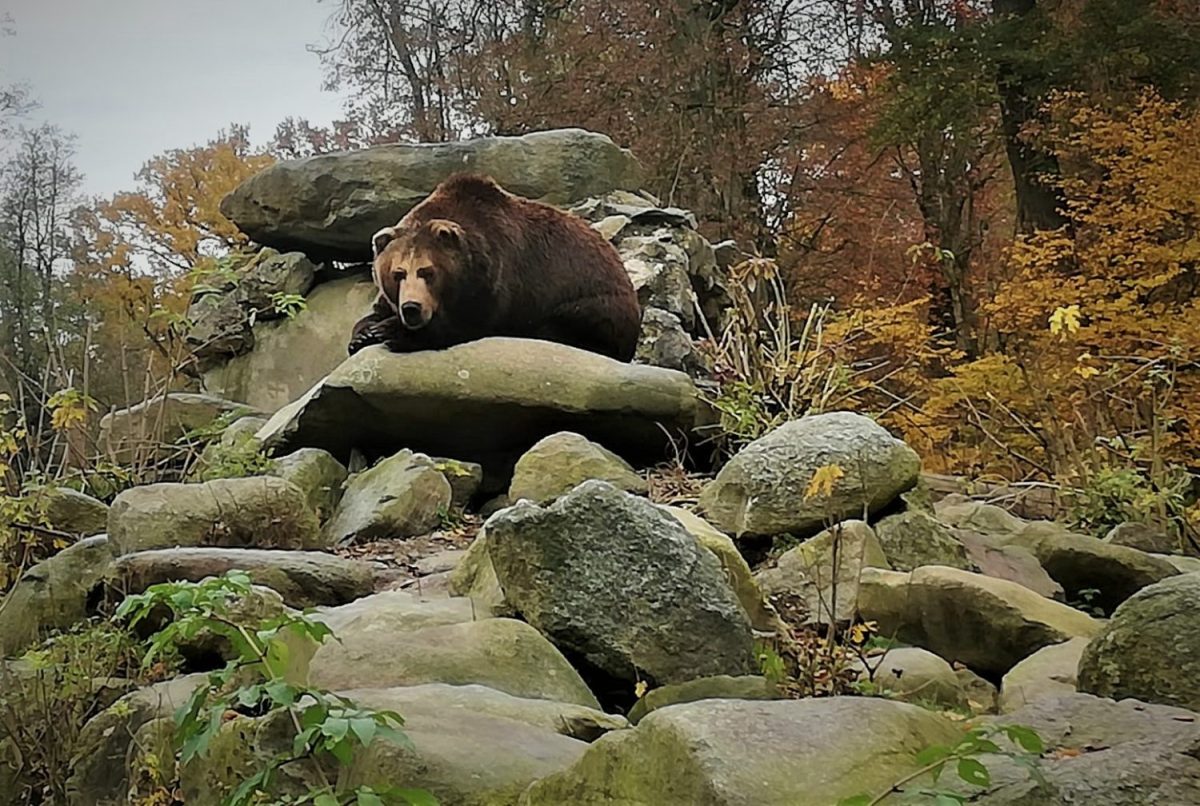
x=147, y=430
x=318, y=475
x=768, y=753
x=254, y=512
x=915, y=538
x=469, y=746
x=1147, y=537
x=488, y=401
x=503, y=654
x=717, y=687
x=561, y=462
x=302, y=578
x=1150, y=648
x=822, y=574
x=1050, y=671
x=737, y=571
x=991, y=556
x=1105, y=753
x=762, y=489
x=621, y=586
x=914, y=675
x=988, y=624
x=401, y=496
x=70, y=511
x=1079, y=563
x=53, y=594
x=291, y=355
x=330, y=205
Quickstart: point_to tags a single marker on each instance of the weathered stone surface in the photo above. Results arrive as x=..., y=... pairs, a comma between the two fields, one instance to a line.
x=807, y=573
x=330, y=205
x=620, y=585
x=992, y=557
x=1184, y=565
x=71, y=511
x=913, y=675
x=658, y=267
x=140, y=432
x=52, y=594
x=665, y=343
x=318, y=475
x=1150, y=648
x=767, y=753
x=914, y=538
x=761, y=490
x=976, y=516
x=561, y=462
x=461, y=753
x=475, y=578
x=718, y=687
x=1145, y=537
x=1049, y=672
x=290, y=356
x=1113, y=754
x=401, y=496
x=568, y=719
x=988, y=624
x=465, y=479
x=737, y=570
x=982, y=695
x=254, y=512
x=220, y=329
x=99, y=772
x=488, y=401
x=374, y=617
x=302, y=578
x=1079, y=563
x=503, y=654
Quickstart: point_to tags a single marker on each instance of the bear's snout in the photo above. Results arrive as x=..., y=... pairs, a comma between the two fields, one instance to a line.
x=413, y=315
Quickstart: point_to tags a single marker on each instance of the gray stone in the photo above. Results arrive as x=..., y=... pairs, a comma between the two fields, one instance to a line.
x=1109, y=754
x=317, y=474
x=218, y=329
x=1145, y=537
x=964, y=513
x=465, y=479
x=254, y=512
x=991, y=556
x=761, y=491
x=807, y=573
x=1184, y=565
x=71, y=511
x=401, y=496
x=302, y=578
x=612, y=579
x=664, y=343
x=982, y=695
x=270, y=273
x=487, y=400
x=767, y=753
x=503, y=654
x=913, y=675
x=1049, y=672
x=988, y=624
x=718, y=687
x=912, y=539
x=52, y=594
x=330, y=205
x=1150, y=648
x=1080, y=563
x=561, y=462
x=290, y=356
x=658, y=267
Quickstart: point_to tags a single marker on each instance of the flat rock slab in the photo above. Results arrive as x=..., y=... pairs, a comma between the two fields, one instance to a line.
x=487, y=401
x=302, y=578
x=328, y=206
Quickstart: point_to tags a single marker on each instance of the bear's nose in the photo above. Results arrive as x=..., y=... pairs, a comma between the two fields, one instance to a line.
x=410, y=312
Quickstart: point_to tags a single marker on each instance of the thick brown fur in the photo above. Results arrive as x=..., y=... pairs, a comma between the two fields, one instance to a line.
x=473, y=260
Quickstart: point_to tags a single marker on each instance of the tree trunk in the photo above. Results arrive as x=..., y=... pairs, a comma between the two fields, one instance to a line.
x=1039, y=203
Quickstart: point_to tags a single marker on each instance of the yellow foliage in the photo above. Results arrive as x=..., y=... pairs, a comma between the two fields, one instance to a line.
x=823, y=480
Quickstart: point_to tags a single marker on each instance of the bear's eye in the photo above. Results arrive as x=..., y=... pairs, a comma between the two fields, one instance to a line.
x=401, y=274
x=425, y=272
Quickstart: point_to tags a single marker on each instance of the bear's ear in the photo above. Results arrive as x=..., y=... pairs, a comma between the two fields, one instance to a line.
x=381, y=239
x=447, y=231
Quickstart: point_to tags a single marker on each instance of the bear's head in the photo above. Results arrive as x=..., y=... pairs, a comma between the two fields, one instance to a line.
x=415, y=266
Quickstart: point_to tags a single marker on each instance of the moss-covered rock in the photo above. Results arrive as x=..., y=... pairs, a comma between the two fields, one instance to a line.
x=400, y=496
x=718, y=687
x=561, y=462
x=915, y=538
x=1049, y=672
x=1150, y=649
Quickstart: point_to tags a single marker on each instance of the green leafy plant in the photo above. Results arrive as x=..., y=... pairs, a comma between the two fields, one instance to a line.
x=1113, y=496
x=1024, y=747
x=241, y=458
x=257, y=682
x=289, y=305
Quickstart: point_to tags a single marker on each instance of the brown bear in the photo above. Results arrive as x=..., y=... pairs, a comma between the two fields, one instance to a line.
x=473, y=260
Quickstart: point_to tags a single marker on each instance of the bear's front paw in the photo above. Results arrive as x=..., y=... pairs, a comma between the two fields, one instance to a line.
x=376, y=333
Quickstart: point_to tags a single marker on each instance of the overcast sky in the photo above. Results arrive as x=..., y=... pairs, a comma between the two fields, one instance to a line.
x=133, y=78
